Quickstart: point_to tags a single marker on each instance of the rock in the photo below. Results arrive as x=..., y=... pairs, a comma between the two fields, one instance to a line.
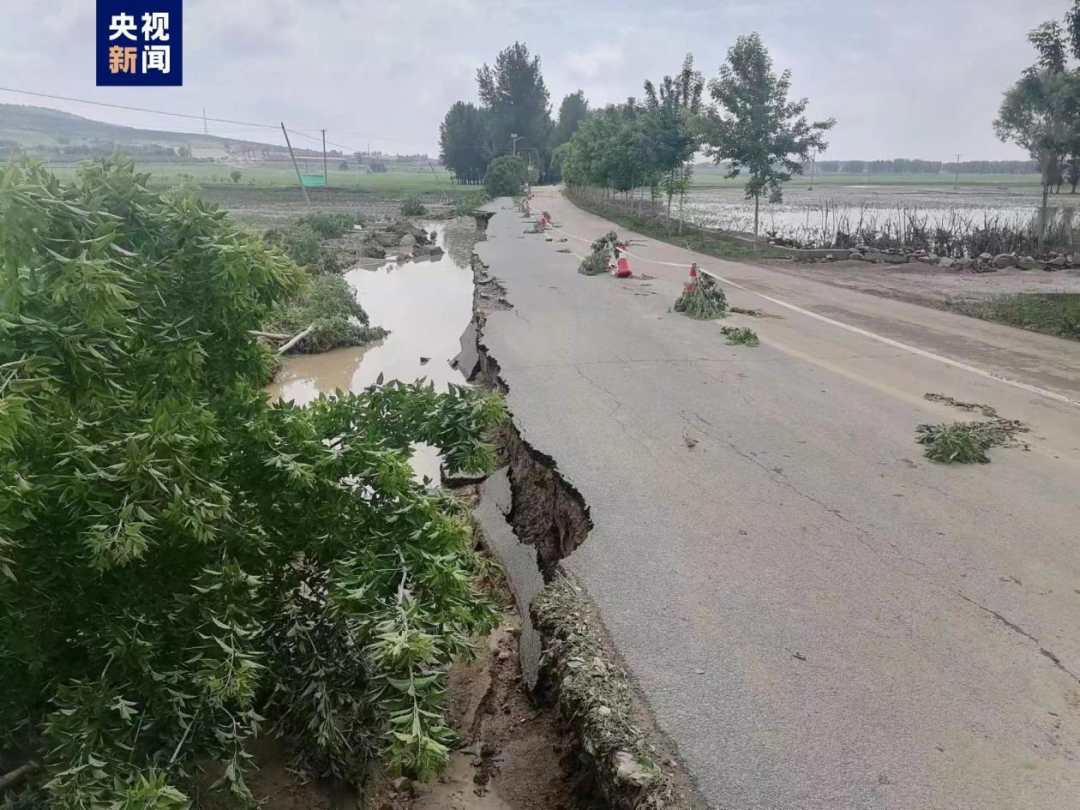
x=1029, y=263
x=629, y=771
x=985, y=257
x=1003, y=260
x=961, y=264
x=1071, y=259
x=407, y=241
x=922, y=258
x=370, y=250
x=945, y=262
x=829, y=257
x=855, y=255
x=603, y=711
x=435, y=252
x=1058, y=262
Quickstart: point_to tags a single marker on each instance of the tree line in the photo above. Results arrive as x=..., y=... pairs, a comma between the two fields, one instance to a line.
x=512, y=118
x=747, y=124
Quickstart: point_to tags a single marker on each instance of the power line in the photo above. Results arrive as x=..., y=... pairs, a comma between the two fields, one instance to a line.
x=189, y=116
x=136, y=109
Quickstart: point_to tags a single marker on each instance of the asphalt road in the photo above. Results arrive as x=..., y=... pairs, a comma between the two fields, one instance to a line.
x=818, y=616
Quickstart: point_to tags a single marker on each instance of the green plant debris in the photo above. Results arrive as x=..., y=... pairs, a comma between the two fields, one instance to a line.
x=595, y=694
x=328, y=301
x=968, y=442
x=753, y=313
x=739, y=335
x=702, y=298
x=601, y=253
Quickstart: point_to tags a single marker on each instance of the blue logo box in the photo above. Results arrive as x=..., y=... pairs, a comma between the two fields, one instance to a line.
x=140, y=43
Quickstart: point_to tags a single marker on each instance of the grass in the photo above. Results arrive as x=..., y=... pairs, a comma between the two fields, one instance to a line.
x=405, y=183
x=1055, y=314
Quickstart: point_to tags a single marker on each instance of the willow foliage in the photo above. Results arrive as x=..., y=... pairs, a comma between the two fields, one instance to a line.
x=182, y=564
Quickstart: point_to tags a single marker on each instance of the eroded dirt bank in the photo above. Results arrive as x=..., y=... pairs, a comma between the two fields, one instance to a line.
x=618, y=758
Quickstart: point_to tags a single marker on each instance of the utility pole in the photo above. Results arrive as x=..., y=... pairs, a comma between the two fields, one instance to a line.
x=956, y=176
x=514, y=138
x=296, y=165
x=324, y=177
x=205, y=131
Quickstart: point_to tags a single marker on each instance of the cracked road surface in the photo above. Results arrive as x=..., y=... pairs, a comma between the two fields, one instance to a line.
x=818, y=616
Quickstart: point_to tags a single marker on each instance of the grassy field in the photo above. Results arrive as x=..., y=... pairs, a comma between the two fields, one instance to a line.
x=166, y=175
x=1053, y=314
x=713, y=177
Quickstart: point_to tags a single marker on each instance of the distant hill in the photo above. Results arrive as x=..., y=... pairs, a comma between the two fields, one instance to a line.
x=55, y=134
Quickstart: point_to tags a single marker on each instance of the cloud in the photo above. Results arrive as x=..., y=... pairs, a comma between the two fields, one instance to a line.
x=923, y=79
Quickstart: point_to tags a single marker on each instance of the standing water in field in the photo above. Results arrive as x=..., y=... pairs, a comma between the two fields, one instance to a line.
x=425, y=305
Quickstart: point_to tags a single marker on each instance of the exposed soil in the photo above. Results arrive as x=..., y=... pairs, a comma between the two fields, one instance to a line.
x=930, y=285
x=515, y=755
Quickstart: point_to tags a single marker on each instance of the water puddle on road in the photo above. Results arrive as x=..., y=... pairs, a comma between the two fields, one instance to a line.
x=426, y=304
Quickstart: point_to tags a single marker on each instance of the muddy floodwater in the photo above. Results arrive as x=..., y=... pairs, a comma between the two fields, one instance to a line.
x=425, y=304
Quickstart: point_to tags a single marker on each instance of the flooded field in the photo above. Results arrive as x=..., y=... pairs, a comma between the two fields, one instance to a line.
x=805, y=213
x=425, y=304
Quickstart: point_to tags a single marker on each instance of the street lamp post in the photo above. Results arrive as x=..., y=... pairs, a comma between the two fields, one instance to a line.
x=514, y=138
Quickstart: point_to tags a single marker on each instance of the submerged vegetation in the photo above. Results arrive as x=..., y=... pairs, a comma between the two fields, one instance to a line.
x=184, y=566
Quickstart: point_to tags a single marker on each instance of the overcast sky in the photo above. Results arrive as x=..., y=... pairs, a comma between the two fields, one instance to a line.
x=917, y=79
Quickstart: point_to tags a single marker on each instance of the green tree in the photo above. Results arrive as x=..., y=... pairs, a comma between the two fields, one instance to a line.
x=572, y=111
x=184, y=565
x=464, y=142
x=516, y=98
x=1041, y=111
x=756, y=128
x=673, y=126
x=506, y=176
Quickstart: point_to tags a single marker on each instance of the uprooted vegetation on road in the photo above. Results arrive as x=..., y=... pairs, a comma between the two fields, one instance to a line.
x=701, y=298
x=968, y=442
x=600, y=255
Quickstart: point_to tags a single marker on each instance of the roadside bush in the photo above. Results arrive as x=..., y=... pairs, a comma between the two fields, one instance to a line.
x=303, y=243
x=413, y=207
x=506, y=176
x=468, y=202
x=182, y=564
